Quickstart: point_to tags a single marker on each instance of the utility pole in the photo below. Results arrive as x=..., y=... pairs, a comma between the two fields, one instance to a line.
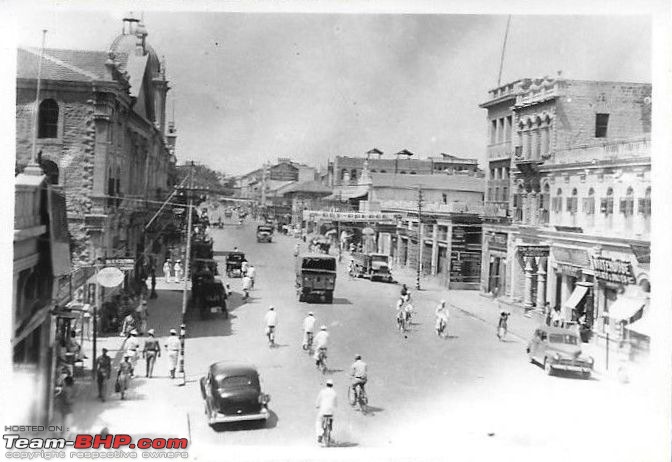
x=420, y=244
x=187, y=265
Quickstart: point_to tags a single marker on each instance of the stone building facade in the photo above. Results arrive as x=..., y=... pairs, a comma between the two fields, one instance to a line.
x=576, y=164
x=101, y=135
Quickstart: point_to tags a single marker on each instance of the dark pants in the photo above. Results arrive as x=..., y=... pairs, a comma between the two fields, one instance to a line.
x=151, y=359
x=102, y=385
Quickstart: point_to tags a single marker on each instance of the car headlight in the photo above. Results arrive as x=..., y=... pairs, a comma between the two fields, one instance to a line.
x=264, y=398
x=556, y=356
x=591, y=360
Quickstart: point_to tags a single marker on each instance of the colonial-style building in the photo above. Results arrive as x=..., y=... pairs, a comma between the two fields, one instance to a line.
x=101, y=136
x=568, y=203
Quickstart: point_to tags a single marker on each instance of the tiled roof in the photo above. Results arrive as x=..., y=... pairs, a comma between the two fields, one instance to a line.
x=309, y=187
x=438, y=181
x=71, y=65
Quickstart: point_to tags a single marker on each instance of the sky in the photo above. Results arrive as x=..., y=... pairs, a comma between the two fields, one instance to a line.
x=251, y=87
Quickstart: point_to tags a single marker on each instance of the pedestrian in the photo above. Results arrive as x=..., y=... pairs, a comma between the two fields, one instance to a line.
x=86, y=321
x=547, y=312
x=124, y=375
x=173, y=348
x=142, y=314
x=132, y=347
x=556, y=317
x=65, y=401
x=152, y=276
x=128, y=326
x=150, y=352
x=177, y=269
x=251, y=271
x=244, y=267
x=502, y=325
x=166, y=271
x=103, y=372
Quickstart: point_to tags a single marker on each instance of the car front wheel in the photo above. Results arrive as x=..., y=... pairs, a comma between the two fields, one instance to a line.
x=547, y=367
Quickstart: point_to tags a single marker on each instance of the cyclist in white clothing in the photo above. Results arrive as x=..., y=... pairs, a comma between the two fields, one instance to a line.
x=442, y=316
x=326, y=405
x=321, y=340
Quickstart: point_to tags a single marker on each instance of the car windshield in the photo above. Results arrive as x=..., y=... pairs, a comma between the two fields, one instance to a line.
x=267, y=229
x=236, y=257
x=328, y=264
x=563, y=338
x=379, y=258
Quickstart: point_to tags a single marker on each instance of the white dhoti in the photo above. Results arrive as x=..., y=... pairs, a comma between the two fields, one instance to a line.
x=172, y=356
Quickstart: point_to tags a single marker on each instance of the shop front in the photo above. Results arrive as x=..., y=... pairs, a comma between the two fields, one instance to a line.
x=571, y=282
x=495, y=261
x=530, y=274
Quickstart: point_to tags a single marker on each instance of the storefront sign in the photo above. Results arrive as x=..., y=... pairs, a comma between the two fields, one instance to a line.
x=121, y=263
x=569, y=270
x=533, y=250
x=497, y=241
x=314, y=215
x=610, y=270
x=572, y=257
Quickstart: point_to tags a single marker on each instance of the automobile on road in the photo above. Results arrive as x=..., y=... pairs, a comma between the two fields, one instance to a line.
x=232, y=393
x=557, y=348
x=316, y=276
x=372, y=266
x=234, y=264
x=264, y=233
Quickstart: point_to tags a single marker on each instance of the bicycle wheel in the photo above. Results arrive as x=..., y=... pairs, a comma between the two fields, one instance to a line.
x=352, y=398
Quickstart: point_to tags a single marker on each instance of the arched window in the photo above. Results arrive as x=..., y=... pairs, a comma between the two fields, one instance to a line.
x=607, y=203
x=545, y=204
x=573, y=202
x=589, y=202
x=353, y=175
x=557, y=201
x=48, y=119
x=627, y=205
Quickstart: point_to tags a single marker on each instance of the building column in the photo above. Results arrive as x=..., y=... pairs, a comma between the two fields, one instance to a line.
x=543, y=149
x=533, y=199
x=541, y=283
x=435, y=248
x=528, y=145
x=527, y=300
x=534, y=151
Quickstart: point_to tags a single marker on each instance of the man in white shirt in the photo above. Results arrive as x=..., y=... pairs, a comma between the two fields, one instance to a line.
x=271, y=319
x=247, y=285
x=173, y=347
x=251, y=271
x=308, y=329
x=442, y=316
x=321, y=340
x=358, y=372
x=243, y=267
x=326, y=405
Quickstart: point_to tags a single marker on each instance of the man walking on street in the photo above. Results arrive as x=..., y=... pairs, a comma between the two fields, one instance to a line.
x=151, y=350
x=103, y=371
x=143, y=314
x=173, y=348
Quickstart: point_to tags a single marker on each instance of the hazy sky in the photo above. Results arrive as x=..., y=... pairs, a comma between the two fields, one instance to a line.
x=251, y=87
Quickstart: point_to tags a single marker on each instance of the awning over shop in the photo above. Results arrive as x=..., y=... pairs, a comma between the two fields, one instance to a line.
x=642, y=326
x=625, y=307
x=576, y=297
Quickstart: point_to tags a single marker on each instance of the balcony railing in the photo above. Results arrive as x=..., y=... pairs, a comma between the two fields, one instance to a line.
x=496, y=209
x=623, y=149
x=500, y=150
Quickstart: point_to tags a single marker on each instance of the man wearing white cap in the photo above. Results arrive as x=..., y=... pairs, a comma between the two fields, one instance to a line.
x=173, y=348
x=326, y=405
x=151, y=350
x=308, y=330
x=177, y=269
x=271, y=319
x=132, y=346
x=321, y=340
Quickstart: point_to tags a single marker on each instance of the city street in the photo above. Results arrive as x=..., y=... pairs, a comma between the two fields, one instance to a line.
x=460, y=393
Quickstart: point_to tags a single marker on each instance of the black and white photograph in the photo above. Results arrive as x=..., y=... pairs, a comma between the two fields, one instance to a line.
x=336, y=231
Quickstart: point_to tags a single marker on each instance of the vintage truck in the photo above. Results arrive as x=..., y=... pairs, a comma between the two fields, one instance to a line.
x=264, y=233
x=315, y=276
x=372, y=266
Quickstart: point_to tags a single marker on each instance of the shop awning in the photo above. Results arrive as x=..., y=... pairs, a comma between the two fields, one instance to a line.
x=576, y=297
x=625, y=307
x=642, y=326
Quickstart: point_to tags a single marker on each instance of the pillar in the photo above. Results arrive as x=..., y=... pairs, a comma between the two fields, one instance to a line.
x=541, y=283
x=527, y=300
x=534, y=151
x=533, y=199
x=435, y=248
x=544, y=141
x=526, y=144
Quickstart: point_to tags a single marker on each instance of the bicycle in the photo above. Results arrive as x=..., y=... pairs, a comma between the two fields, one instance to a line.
x=270, y=333
x=321, y=362
x=401, y=321
x=441, y=329
x=308, y=346
x=327, y=425
x=357, y=396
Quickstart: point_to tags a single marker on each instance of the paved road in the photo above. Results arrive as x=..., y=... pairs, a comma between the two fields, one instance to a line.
x=469, y=394
x=469, y=388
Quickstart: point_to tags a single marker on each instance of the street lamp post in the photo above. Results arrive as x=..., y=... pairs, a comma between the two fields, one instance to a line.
x=187, y=264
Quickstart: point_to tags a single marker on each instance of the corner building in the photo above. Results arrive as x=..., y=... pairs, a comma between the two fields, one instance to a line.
x=568, y=200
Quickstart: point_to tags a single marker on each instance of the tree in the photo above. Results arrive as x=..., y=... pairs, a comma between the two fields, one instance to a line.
x=204, y=176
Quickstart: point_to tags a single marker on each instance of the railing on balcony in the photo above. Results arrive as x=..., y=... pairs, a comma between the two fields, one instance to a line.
x=500, y=150
x=532, y=96
x=496, y=209
x=431, y=207
x=622, y=149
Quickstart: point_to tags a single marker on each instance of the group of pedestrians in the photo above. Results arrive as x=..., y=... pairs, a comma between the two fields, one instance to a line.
x=126, y=371
x=173, y=272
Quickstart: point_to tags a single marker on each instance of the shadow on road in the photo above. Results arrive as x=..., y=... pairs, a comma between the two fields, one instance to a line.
x=341, y=301
x=372, y=410
x=343, y=444
x=213, y=327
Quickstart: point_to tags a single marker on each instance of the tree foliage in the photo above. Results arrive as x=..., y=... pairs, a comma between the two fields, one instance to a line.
x=204, y=176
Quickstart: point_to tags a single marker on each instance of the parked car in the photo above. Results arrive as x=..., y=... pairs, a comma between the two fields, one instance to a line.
x=316, y=276
x=234, y=264
x=232, y=393
x=557, y=348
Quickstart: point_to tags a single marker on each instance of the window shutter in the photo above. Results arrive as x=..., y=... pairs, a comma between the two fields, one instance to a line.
x=603, y=205
x=621, y=206
x=575, y=204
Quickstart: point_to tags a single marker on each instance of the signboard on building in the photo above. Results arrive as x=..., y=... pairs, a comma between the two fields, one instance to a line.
x=121, y=263
x=569, y=270
x=315, y=215
x=610, y=270
x=533, y=250
x=498, y=241
x=569, y=256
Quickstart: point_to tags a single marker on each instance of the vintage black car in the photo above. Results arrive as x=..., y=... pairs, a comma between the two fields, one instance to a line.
x=264, y=233
x=234, y=264
x=232, y=393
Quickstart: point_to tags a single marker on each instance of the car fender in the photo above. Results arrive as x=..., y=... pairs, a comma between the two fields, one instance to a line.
x=203, y=393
